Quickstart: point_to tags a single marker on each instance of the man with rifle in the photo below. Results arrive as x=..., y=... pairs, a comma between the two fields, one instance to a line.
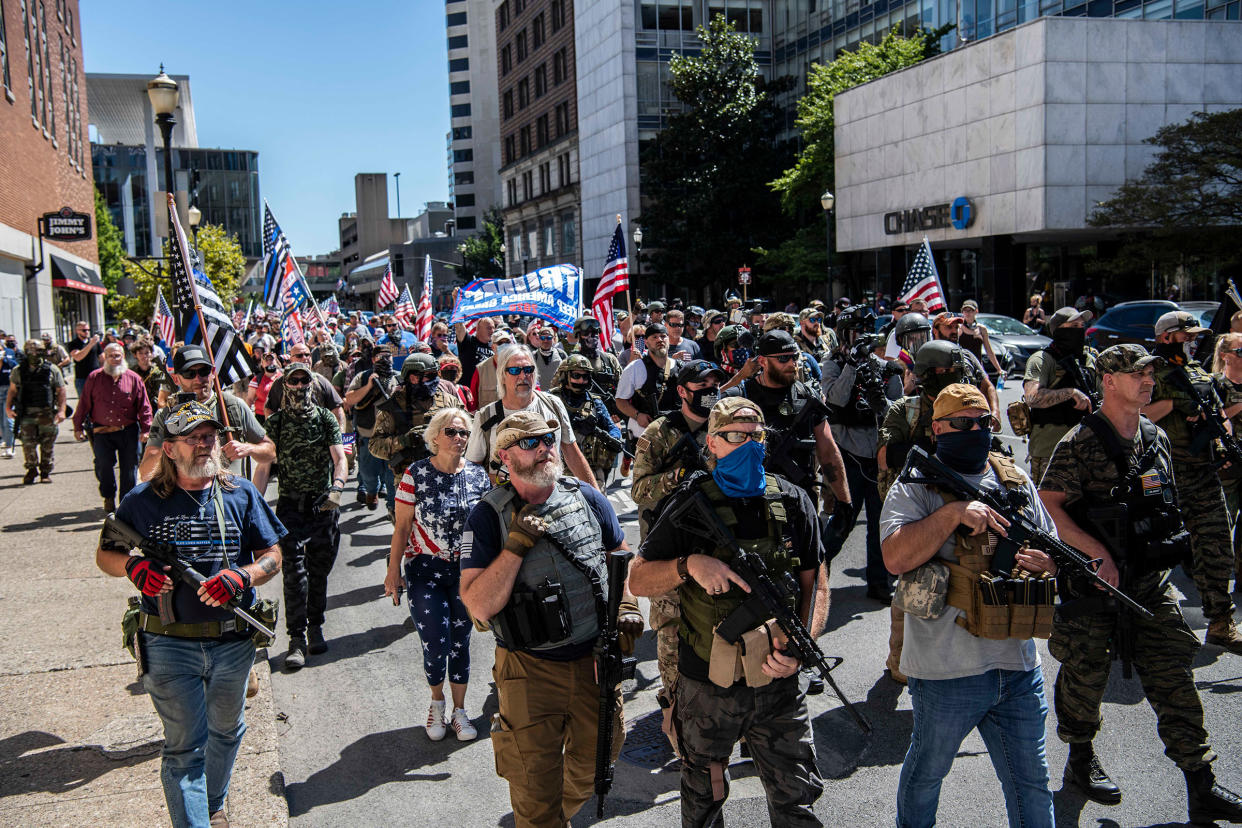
x=726, y=691
x=669, y=451
x=535, y=566
x=1060, y=386
x=193, y=651
x=1184, y=404
x=598, y=436
x=1109, y=489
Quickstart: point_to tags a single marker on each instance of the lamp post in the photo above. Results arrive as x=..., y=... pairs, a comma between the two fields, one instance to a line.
x=638, y=256
x=504, y=264
x=826, y=201
x=397, y=178
x=162, y=91
x=195, y=216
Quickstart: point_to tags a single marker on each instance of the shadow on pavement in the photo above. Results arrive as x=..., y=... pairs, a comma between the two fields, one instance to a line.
x=347, y=646
x=381, y=544
x=80, y=521
x=357, y=597
x=52, y=771
x=842, y=748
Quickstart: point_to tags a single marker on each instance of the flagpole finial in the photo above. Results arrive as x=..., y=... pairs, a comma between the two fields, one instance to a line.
x=618, y=218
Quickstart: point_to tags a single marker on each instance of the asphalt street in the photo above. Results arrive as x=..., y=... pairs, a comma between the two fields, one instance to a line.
x=353, y=750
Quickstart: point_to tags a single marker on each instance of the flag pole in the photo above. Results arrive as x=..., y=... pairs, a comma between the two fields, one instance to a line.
x=629, y=305
x=198, y=310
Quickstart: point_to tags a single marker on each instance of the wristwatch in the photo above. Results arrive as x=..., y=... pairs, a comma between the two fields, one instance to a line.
x=683, y=571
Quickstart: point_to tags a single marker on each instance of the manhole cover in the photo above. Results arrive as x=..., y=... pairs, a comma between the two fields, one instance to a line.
x=645, y=743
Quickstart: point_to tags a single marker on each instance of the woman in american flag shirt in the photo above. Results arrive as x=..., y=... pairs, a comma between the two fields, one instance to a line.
x=433, y=500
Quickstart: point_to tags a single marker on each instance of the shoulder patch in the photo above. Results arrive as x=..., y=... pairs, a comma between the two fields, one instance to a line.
x=644, y=444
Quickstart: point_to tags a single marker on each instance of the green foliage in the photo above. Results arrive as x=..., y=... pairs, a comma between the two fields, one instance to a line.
x=706, y=173
x=801, y=258
x=223, y=262
x=482, y=258
x=800, y=186
x=109, y=242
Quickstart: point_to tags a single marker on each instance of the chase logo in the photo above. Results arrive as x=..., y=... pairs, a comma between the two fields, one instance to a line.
x=961, y=213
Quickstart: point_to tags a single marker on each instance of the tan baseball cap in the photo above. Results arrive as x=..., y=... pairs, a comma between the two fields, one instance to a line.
x=732, y=410
x=958, y=397
x=522, y=424
x=1178, y=321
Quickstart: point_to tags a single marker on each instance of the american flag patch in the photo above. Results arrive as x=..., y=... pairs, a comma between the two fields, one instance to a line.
x=349, y=441
x=1151, y=481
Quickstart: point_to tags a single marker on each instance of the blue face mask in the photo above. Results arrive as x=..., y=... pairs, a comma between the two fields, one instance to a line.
x=966, y=452
x=740, y=473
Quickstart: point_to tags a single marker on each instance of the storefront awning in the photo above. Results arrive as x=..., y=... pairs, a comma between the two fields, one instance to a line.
x=66, y=274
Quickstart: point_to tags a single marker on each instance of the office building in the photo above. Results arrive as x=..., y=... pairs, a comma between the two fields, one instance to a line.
x=369, y=229
x=474, y=137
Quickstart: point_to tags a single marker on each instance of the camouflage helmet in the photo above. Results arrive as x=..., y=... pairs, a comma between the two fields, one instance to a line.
x=418, y=362
x=733, y=336
x=939, y=353
x=34, y=346
x=573, y=362
x=785, y=321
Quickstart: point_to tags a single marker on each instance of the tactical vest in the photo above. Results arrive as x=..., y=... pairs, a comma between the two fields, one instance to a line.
x=1063, y=413
x=1014, y=617
x=417, y=416
x=651, y=397
x=585, y=412
x=1182, y=434
x=570, y=554
x=919, y=430
x=36, y=386
x=814, y=349
x=603, y=370
x=702, y=612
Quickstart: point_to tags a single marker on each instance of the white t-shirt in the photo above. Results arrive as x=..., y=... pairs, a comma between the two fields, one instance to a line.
x=479, y=449
x=632, y=378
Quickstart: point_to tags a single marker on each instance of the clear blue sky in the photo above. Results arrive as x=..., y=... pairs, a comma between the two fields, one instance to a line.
x=321, y=90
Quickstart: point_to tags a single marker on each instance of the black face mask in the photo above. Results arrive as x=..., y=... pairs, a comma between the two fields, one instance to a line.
x=701, y=401
x=451, y=376
x=382, y=366
x=271, y=369
x=1175, y=352
x=1069, y=341
x=577, y=388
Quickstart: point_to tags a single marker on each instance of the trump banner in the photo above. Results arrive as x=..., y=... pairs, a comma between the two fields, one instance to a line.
x=553, y=293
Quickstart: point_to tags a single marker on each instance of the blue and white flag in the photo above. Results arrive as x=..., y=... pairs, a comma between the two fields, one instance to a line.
x=552, y=293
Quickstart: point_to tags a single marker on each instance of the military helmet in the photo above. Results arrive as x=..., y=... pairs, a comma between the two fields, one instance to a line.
x=418, y=362
x=912, y=331
x=656, y=306
x=573, y=362
x=939, y=353
x=693, y=311
x=731, y=297
x=733, y=336
x=855, y=319
x=583, y=322
x=785, y=321
x=34, y=346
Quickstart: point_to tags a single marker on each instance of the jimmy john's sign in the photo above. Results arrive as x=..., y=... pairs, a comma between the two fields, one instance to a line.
x=65, y=225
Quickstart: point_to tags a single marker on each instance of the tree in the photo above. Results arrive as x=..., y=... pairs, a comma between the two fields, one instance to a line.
x=222, y=261
x=706, y=173
x=110, y=245
x=481, y=254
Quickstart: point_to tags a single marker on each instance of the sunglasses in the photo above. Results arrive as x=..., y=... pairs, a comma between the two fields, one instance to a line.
x=579, y=375
x=1235, y=351
x=297, y=382
x=204, y=440
x=528, y=443
x=196, y=373
x=986, y=422
x=546, y=337
x=515, y=370
x=739, y=437
x=784, y=359
x=455, y=432
x=815, y=320
x=719, y=320
x=590, y=332
x=677, y=324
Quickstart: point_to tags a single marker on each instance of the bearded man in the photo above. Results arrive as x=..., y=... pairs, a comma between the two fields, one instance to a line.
x=114, y=400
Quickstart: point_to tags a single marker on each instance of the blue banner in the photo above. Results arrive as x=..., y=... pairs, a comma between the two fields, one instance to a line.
x=552, y=293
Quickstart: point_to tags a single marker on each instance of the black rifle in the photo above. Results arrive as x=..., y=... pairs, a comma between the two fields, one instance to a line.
x=1073, y=366
x=782, y=452
x=611, y=668
x=591, y=426
x=116, y=529
x=687, y=451
x=1021, y=531
x=770, y=596
x=1211, y=426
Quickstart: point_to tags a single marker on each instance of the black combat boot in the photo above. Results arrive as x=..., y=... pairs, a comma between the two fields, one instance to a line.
x=30, y=477
x=1084, y=771
x=1207, y=801
x=314, y=635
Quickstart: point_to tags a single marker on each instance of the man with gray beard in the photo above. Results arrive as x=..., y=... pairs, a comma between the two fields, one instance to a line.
x=114, y=400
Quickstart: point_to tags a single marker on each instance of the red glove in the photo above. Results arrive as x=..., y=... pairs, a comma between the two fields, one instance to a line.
x=227, y=584
x=146, y=574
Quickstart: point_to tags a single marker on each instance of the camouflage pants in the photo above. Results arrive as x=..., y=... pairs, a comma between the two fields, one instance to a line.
x=1202, y=503
x=38, y=432
x=663, y=618
x=1233, y=501
x=1038, y=464
x=774, y=721
x=1163, y=650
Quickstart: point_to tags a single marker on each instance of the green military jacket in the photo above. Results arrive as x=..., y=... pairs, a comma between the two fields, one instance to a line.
x=304, y=449
x=1174, y=423
x=654, y=476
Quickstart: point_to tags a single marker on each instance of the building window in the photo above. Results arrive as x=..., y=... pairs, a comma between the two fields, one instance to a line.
x=504, y=16
x=532, y=238
x=520, y=41
x=558, y=14
x=536, y=32
x=4, y=54
x=506, y=59
x=677, y=15
x=514, y=253
x=562, y=118
x=562, y=169
x=466, y=223
x=545, y=177
x=463, y=155
x=746, y=20
x=463, y=178
x=541, y=80
x=455, y=19
x=459, y=65
x=465, y=200
x=541, y=130
x=519, y=6
x=459, y=87
x=569, y=234
x=511, y=187
x=460, y=110
x=508, y=105
x=510, y=149
x=524, y=141
x=528, y=186
x=523, y=93
x=549, y=237
x=461, y=133
x=560, y=66
x=458, y=42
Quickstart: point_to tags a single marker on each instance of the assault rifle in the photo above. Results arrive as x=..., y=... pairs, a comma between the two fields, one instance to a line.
x=116, y=529
x=611, y=668
x=781, y=453
x=770, y=596
x=1211, y=426
x=1021, y=531
x=589, y=425
x=1072, y=366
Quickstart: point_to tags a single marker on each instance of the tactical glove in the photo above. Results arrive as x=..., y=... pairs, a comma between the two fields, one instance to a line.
x=146, y=574
x=629, y=625
x=329, y=500
x=228, y=584
x=525, y=531
x=412, y=438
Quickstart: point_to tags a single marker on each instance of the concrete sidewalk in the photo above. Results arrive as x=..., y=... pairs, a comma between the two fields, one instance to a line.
x=79, y=740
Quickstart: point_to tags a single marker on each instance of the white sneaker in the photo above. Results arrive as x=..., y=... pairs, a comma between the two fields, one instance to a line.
x=8, y=452
x=461, y=724
x=435, y=721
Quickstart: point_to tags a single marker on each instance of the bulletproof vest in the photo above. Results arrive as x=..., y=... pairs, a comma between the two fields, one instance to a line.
x=1063, y=413
x=582, y=414
x=602, y=369
x=702, y=612
x=569, y=560
x=652, y=396
x=36, y=386
x=919, y=428
x=814, y=349
x=795, y=434
x=417, y=415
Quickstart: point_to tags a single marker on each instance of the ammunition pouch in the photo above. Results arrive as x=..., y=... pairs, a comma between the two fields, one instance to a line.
x=534, y=617
x=1021, y=417
x=923, y=592
x=267, y=611
x=998, y=607
x=129, y=626
x=742, y=659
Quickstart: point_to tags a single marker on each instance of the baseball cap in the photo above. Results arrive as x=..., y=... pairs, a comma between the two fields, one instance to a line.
x=901, y=306
x=189, y=416
x=777, y=342
x=188, y=356
x=777, y=320
x=970, y=304
x=1176, y=321
x=957, y=397
x=656, y=329
x=1124, y=359
x=806, y=313
x=294, y=367
x=1068, y=314
x=521, y=424
x=732, y=410
x=697, y=370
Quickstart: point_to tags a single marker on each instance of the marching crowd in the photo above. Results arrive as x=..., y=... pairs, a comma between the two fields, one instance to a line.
x=744, y=435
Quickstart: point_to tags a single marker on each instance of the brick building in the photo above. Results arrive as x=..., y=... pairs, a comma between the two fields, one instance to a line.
x=539, y=133
x=45, y=165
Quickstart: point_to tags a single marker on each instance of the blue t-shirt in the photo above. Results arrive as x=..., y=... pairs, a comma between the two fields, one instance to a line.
x=188, y=521
x=405, y=346
x=483, y=540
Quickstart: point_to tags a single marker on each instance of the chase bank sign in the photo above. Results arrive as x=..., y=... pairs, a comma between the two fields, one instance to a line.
x=959, y=215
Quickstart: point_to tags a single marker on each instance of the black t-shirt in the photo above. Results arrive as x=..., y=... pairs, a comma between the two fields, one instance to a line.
x=471, y=352
x=666, y=542
x=83, y=367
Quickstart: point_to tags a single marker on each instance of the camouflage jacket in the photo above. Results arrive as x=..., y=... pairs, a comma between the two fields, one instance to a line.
x=304, y=450
x=656, y=473
x=395, y=441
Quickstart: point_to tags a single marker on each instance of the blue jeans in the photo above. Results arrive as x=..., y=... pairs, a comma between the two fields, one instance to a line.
x=198, y=688
x=860, y=476
x=6, y=425
x=1009, y=709
x=373, y=472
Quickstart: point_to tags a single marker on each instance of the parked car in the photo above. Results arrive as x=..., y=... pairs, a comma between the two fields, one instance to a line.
x=1017, y=340
x=1206, y=311
x=1129, y=322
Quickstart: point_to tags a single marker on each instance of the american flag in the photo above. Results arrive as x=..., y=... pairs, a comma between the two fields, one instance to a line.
x=422, y=327
x=404, y=310
x=923, y=282
x=331, y=306
x=191, y=289
x=162, y=321
x=349, y=441
x=278, y=264
x=388, y=289
x=616, y=279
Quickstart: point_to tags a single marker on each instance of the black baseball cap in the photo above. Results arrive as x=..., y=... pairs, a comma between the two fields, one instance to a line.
x=697, y=370
x=777, y=342
x=188, y=356
x=655, y=329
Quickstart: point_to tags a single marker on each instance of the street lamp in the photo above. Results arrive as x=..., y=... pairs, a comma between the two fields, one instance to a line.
x=826, y=201
x=638, y=256
x=195, y=216
x=397, y=178
x=504, y=265
x=162, y=90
